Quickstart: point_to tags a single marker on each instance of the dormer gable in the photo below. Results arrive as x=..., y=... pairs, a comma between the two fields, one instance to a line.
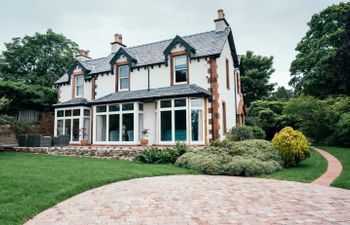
x=79, y=66
x=122, y=52
x=181, y=42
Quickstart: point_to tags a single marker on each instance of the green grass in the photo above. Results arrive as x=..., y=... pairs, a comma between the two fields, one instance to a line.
x=343, y=155
x=307, y=171
x=31, y=183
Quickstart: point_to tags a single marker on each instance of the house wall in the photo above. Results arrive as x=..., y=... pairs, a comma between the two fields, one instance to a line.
x=65, y=92
x=105, y=84
x=149, y=121
x=226, y=95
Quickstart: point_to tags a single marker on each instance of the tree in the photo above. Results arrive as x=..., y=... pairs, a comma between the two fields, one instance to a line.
x=341, y=61
x=256, y=71
x=312, y=70
x=281, y=94
x=39, y=59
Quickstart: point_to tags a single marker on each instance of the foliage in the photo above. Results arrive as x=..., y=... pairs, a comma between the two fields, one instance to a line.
x=6, y=119
x=39, y=181
x=39, y=59
x=292, y=146
x=244, y=158
x=341, y=135
x=312, y=69
x=246, y=132
x=269, y=116
x=158, y=156
x=4, y=103
x=256, y=71
x=281, y=94
x=341, y=60
x=21, y=128
x=24, y=96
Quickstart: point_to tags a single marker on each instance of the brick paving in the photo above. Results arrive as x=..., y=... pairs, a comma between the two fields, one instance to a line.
x=334, y=169
x=200, y=199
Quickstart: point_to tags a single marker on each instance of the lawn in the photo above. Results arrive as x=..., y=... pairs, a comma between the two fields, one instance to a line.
x=31, y=183
x=307, y=171
x=343, y=155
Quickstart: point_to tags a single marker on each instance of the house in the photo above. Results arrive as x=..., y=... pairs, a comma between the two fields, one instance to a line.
x=183, y=89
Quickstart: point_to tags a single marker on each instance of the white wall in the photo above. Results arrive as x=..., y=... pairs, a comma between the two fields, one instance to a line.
x=105, y=85
x=66, y=92
x=224, y=94
x=149, y=120
x=198, y=72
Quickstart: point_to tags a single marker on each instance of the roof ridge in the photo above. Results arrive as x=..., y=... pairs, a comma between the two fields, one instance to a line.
x=169, y=39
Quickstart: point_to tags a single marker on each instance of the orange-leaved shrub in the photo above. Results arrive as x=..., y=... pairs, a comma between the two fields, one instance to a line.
x=292, y=146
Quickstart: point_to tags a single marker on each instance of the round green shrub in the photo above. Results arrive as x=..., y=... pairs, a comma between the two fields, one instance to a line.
x=292, y=146
x=246, y=133
x=244, y=158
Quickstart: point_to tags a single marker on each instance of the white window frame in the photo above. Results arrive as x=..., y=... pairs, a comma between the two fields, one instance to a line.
x=120, y=78
x=76, y=86
x=190, y=113
x=136, y=112
x=71, y=117
x=174, y=69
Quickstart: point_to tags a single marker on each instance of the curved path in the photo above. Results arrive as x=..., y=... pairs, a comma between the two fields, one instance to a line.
x=334, y=169
x=200, y=199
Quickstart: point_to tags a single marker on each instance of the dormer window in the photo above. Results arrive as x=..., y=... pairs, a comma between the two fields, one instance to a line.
x=180, y=69
x=123, y=73
x=79, y=86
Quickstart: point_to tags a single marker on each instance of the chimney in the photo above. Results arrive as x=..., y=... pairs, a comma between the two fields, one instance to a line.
x=83, y=54
x=220, y=22
x=117, y=43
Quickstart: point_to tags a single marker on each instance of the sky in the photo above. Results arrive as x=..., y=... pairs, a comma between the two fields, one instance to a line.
x=269, y=28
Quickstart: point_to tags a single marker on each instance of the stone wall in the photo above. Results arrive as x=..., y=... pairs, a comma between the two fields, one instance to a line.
x=44, y=127
x=125, y=153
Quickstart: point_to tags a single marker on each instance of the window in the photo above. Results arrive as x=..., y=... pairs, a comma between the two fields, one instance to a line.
x=114, y=127
x=75, y=130
x=227, y=74
x=123, y=74
x=224, y=116
x=196, y=120
x=60, y=113
x=128, y=126
x=180, y=69
x=165, y=126
x=101, y=124
x=76, y=112
x=79, y=86
x=59, y=127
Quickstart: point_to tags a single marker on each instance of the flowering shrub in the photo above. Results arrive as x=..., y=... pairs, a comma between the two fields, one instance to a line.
x=292, y=146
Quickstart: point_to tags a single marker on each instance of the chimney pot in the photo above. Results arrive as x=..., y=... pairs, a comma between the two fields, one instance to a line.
x=221, y=14
x=118, y=38
x=84, y=53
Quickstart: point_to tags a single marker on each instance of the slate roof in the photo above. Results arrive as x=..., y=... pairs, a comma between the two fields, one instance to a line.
x=73, y=102
x=155, y=93
x=206, y=44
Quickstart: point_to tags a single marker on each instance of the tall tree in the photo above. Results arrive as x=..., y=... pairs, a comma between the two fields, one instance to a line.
x=312, y=70
x=39, y=59
x=256, y=71
x=341, y=59
x=281, y=94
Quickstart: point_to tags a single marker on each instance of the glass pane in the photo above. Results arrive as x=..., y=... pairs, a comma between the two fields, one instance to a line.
x=79, y=90
x=79, y=81
x=68, y=112
x=60, y=113
x=140, y=126
x=181, y=75
x=141, y=107
x=101, y=128
x=197, y=125
x=123, y=71
x=165, y=126
x=67, y=128
x=101, y=108
x=165, y=104
x=114, y=127
x=86, y=129
x=180, y=102
x=76, y=112
x=75, y=129
x=128, y=127
x=114, y=108
x=129, y=106
x=180, y=61
x=86, y=112
x=180, y=125
x=196, y=102
x=60, y=127
x=124, y=83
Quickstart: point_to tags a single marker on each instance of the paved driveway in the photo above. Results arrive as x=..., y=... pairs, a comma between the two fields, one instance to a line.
x=199, y=199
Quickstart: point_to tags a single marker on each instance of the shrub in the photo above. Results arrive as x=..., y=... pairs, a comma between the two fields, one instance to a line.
x=292, y=146
x=6, y=119
x=21, y=128
x=244, y=158
x=245, y=133
x=157, y=155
